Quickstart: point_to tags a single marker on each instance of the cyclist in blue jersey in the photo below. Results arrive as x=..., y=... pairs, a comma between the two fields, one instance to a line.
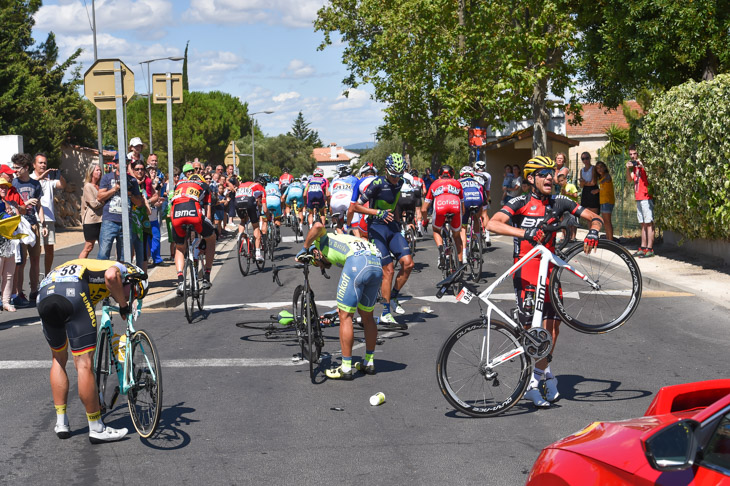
x=342, y=189
x=273, y=203
x=294, y=192
x=384, y=232
x=473, y=198
x=317, y=193
x=356, y=221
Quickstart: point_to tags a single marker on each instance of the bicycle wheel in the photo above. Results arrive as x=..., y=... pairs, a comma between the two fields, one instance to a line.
x=145, y=396
x=188, y=290
x=310, y=339
x=200, y=272
x=244, y=262
x=411, y=237
x=471, y=384
x=450, y=263
x=271, y=244
x=592, y=311
x=103, y=367
x=475, y=258
x=264, y=245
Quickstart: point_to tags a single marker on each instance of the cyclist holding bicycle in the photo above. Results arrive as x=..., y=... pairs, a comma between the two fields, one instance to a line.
x=358, y=288
x=382, y=194
x=66, y=300
x=342, y=189
x=446, y=194
x=249, y=196
x=473, y=198
x=317, y=193
x=523, y=217
x=191, y=204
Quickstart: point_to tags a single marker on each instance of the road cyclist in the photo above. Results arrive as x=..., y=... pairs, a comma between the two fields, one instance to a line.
x=250, y=197
x=273, y=211
x=294, y=200
x=358, y=288
x=284, y=181
x=522, y=218
x=317, y=193
x=342, y=188
x=420, y=190
x=191, y=205
x=481, y=175
x=409, y=200
x=356, y=221
x=446, y=194
x=382, y=196
x=473, y=202
x=66, y=302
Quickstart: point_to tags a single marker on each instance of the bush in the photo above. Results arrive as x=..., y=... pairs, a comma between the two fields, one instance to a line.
x=686, y=149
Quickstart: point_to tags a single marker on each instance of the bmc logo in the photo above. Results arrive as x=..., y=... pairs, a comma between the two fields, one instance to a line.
x=181, y=213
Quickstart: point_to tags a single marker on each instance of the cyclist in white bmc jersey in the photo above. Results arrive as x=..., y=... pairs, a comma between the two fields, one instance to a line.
x=341, y=195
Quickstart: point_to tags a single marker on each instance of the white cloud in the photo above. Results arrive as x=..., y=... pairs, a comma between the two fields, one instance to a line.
x=72, y=17
x=291, y=13
x=281, y=98
x=298, y=69
x=356, y=99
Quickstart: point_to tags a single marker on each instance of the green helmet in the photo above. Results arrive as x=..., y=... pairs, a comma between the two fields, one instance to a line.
x=187, y=168
x=395, y=165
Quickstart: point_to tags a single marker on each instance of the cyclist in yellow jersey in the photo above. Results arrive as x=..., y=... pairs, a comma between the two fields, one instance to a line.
x=362, y=275
x=66, y=301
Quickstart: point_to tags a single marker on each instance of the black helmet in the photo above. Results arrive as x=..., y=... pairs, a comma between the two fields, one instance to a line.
x=446, y=169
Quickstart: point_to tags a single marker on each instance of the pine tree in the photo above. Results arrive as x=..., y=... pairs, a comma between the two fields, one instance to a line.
x=301, y=131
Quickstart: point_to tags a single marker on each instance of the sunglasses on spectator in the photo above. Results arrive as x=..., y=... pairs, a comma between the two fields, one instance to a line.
x=545, y=172
x=139, y=168
x=585, y=158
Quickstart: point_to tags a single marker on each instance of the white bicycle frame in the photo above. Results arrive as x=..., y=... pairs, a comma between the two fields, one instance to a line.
x=547, y=257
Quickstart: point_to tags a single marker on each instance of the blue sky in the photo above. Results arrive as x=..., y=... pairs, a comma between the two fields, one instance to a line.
x=263, y=51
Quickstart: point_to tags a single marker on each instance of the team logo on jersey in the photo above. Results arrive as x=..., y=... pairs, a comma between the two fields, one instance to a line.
x=70, y=292
x=532, y=208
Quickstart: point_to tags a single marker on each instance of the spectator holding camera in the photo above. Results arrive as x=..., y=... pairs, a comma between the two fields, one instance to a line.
x=636, y=173
x=51, y=180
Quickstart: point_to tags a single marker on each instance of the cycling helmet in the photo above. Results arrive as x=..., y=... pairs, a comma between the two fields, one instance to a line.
x=447, y=170
x=196, y=177
x=537, y=163
x=480, y=165
x=285, y=170
x=187, y=168
x=395, y=165
x=260, y=180
x=466, y=171
x=343, y=170
x=367, y=168
x=304, y=178
x=414, y=172
x=265, y=177
x=139, y=288
x=318, y=172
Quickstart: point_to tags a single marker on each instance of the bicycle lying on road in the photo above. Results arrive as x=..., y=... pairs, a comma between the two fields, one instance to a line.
x=137, y=366
x=485, y=365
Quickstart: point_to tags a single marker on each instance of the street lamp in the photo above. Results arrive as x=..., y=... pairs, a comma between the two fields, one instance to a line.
x=149, y=88
x=253, y=150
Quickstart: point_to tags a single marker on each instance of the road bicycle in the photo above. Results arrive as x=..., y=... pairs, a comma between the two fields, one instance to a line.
x=294, y=221
x=409, y=231
x=485, y=365
x=193, y=273
x=282, y=324
x=475, y=244
x=271, y=240
x=447, y=257
x=136, y=363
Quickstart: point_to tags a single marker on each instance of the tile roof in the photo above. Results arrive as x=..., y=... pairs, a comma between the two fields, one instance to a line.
x=324, y=154
x=596, y=119
x=526, y=133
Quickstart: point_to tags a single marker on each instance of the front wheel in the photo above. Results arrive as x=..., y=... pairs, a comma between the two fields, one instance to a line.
x=475, y=258
x=590, y=310
x=411, y=237
x=189, y=290
x=201, y=291
x=483, y=371
x=145, y=396
x=103, y=368
x=307, y=319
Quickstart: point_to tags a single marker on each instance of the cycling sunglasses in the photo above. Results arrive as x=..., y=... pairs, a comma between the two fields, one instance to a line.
x=545, y=172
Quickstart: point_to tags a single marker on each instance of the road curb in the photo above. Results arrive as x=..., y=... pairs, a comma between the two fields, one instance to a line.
x=173, y=300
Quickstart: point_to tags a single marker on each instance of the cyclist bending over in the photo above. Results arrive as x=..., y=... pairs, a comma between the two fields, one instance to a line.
x=522, y=217
x=189, y=201
x=358, y=290
x=446, y=194
x=66, y=300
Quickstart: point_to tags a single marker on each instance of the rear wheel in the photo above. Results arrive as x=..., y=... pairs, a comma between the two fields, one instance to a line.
x=310, y=334
x=264, y=244
x=244, y=259
x=595, y=311
x=188, y=290
x=474, y=256
x=483, y=372
x=200, y=272
x=102, y=366
x=145, y=396
x=411, y=237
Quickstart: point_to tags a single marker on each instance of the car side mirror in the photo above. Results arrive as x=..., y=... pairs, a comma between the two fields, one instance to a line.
x=673, y=448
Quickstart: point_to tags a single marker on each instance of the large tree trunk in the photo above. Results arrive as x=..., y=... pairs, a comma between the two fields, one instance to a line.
x=709, y=70
x=541, y=118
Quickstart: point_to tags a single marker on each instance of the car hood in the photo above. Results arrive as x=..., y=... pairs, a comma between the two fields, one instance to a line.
x=616, y=443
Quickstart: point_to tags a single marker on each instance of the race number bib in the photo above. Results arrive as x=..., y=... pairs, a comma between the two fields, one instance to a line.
x=69, y=273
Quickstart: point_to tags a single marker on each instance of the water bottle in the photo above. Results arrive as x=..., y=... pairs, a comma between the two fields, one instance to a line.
x=119, y=345
x=528, y=303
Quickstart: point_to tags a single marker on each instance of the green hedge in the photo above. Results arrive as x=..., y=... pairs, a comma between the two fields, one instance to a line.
x=685, y=145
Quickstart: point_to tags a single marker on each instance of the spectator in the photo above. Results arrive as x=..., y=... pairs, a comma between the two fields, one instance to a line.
x=636, y=173
x=91, y=208
x=507, y=184
x=229, y=171
x=8, y=246
x=590, y=198
x=219, y=209
x=198, y=167
x=30, y=191
x=135, y=149
x=516, y=189
x=219, y=170
x=569, y=190
x=607, y=197
x=50, y=179
x=7, y=174
x=427, y=179
x=560, y=167
x=111, y=220
x=142, y=229
x=168, y=220
x=152, y=162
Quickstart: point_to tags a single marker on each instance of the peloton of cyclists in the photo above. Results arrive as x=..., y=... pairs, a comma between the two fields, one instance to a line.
x=250, y=196
x=446, y=194
x=191, y=204
x=522, y=218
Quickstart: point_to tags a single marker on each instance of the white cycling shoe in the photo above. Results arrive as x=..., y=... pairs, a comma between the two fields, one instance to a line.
x=107, y=435
x=62, y=431
x=551, y=389
x=397, y=307
x=534, y=395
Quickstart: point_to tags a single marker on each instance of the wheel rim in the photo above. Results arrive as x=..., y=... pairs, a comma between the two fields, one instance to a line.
x=145, y=398
x=188, y=297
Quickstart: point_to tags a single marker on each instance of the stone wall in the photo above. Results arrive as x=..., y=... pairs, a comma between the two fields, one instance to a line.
x=74, y=162
x=714, y=248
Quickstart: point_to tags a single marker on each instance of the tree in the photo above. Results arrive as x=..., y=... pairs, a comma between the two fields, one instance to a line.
x=275, y=153
x=627, y=45
x=186, y=86
x=35, y=102
x=301, y=131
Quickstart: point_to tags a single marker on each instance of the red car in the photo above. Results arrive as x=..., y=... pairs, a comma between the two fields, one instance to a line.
x=682, y=439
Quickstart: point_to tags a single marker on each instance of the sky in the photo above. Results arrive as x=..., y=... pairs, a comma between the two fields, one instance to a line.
x=262, y=51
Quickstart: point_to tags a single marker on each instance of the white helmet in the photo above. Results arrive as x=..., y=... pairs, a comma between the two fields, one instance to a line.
x=466, y=171
x=480, y=165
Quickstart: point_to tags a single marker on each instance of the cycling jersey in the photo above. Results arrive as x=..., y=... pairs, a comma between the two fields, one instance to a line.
x=188, y=201
x=295, y=191
x=285, y=180
x=316, y=192
x=358, y=218
x=446, y=195
x=197, y=191
x=473, y=196
x=342, y=189
x=381, y=194
x=66, y=300
x=248, y=195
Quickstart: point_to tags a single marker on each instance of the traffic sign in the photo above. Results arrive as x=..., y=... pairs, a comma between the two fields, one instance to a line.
x=229, y=149
x=99, y=84
x=159, y=88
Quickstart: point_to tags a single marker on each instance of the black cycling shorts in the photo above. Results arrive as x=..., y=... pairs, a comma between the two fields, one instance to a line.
x=522, y=286
x=247, y=210
x=68, y=316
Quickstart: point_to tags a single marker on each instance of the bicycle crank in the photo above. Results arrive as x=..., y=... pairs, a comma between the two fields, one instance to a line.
x=538, y=342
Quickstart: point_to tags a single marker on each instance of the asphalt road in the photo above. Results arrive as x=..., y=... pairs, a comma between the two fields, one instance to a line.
x=254, y=416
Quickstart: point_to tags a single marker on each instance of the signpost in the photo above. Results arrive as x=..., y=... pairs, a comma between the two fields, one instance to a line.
x=232, y=156
x=168, y=89
x=109, y=85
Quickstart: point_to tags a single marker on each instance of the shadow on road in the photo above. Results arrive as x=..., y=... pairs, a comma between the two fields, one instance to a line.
x=170, y=436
